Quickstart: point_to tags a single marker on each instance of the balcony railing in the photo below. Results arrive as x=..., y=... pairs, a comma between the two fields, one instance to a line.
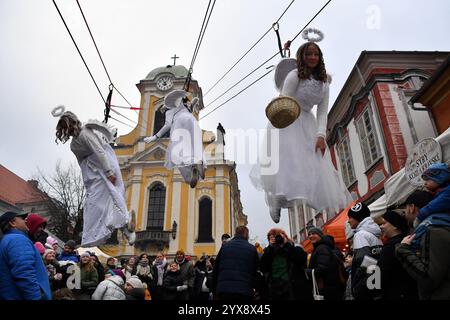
x=153, y=236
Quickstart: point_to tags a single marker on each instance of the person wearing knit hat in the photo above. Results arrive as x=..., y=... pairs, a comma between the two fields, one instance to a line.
x=51, y=243
x=47, y=251
x=40, y=247
x=359, y=212
x=439, y=173
x=394, y=220
x=36, y=225
x=396, y=284
x=366, y=242
x=85, y=254
x=135, y=282
x=134, y=289
x=315, y=230
x=437, y=180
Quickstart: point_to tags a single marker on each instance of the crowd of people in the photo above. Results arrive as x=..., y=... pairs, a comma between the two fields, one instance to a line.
x=403, y=258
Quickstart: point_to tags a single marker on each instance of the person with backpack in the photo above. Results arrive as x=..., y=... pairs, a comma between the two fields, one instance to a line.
x=326, y=266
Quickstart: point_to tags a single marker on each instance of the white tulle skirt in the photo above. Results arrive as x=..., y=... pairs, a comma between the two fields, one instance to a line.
x=303, y=175
x=105, y=207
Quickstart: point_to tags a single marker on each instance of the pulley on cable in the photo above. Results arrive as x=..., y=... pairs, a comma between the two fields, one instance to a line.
x=282, y=110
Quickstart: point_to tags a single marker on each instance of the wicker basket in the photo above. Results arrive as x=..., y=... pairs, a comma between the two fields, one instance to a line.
x=282, y=111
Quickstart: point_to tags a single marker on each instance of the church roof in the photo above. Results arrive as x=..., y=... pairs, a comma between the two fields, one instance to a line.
x=178, y=71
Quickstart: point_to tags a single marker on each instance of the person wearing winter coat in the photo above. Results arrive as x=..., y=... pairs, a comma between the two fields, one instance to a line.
x=69, y=253
x=88, y=277
x=130, y=268
x=430, y=264
x=158, y=270
x=54, y=270
x=23, y=275
x=36, y=225
x=283, y=267
x=235, y=268
x=325, y=264
x=396, y=284
x=135, y=289
x=186, y=271
x=144, y=269
x=366, y=242
x=175, y=287
x=98, y=266
x=110, y=289
x=203, y=275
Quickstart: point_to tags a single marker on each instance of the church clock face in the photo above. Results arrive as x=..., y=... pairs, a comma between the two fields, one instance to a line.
x=164, y=82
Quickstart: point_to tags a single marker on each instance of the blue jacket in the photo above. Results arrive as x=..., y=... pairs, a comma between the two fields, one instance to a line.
x=235, y=268
x=440, y=204
x=23, y=275
x=68, y=257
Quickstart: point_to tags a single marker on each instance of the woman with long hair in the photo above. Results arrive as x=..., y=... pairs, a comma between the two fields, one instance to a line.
x=104, y=209
x=304, y=172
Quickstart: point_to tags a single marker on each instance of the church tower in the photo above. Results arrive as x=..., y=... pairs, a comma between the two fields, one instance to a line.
x=170, y=214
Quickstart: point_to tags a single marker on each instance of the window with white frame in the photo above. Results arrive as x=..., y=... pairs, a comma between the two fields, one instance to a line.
x=346, y=162
x=368, y=138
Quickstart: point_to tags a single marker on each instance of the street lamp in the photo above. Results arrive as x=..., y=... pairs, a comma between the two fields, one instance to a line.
x=174, y=230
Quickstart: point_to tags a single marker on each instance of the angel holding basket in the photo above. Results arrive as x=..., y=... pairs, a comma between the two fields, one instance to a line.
x=305, y=171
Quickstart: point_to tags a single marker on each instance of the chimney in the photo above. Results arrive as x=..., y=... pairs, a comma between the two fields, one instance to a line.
x=34, y=183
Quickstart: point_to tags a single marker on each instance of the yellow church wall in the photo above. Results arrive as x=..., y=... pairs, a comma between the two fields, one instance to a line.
x=182, y=227
x=169, y=192
x=227, y=209
x=199, y=250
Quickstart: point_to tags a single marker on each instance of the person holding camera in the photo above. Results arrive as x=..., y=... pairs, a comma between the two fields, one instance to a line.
x=283, y=267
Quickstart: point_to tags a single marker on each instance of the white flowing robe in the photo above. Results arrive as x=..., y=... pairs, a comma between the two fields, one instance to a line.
x=105, y=207
x=303, y=175
x=186, y=147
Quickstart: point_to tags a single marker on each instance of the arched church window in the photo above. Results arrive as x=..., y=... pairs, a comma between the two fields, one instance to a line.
x=160, y=118
x=205, y=220
x=156, y=207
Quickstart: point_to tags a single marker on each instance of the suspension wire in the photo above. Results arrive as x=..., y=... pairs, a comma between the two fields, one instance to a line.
x=295, y=37
x=243, y=56
x=111, y=117
x=199, y=42
x=104, y=66
x=79, y=52
x=248, y=75
x=238, y=93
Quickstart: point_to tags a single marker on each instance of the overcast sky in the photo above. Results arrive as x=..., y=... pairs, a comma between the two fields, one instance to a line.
x=40, y=68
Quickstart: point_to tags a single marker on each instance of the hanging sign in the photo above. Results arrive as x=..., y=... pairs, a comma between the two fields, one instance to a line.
x=424, y=153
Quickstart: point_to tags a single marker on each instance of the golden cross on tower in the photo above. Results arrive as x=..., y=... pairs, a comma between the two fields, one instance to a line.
x=174, y=58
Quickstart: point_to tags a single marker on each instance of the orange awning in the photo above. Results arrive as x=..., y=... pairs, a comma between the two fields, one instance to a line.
x=336, y=227
x=307, y=245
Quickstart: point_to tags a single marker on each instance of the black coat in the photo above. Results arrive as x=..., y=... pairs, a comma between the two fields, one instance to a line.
x=396, y=284
x=171, y=281
x=298, y=287
x=201, y=273
x=235, y=268
x=136, y=294
x=326, y=270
